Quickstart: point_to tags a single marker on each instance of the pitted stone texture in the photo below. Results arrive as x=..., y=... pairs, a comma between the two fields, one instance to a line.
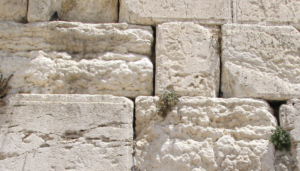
x=205, y=134
x=272, y=12
x=260, y=62
x=157, y=11
x=290, y=121
x=66, y=132
x=284, y=161
x=187, y=59
x=13, y=10
x=92, y=11
x=127, y=75
x=75, y=37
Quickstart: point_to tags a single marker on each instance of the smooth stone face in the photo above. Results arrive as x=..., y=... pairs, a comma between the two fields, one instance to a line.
x=260, y=62
x=13, y=10
x=92, y=11
x=66, y=132
x=267, y=12
x=205, y=134
x=290, y=120
x=187, y=59
x=157, y=11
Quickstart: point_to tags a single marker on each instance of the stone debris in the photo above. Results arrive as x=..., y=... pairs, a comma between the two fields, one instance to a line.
x=66, y=132
x=13, y=10
x=157, y=11
x=187, y=59
x=290, y=120
x=205, y=134
x=92, y=11
x=260, y=62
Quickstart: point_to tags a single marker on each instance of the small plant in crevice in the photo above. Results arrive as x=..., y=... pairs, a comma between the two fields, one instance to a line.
x=166, y=102
x=4, y=85
x=281, y=139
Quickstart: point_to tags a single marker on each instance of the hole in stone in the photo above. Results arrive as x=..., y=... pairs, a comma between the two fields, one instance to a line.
x=54, y=17
x=275, y=105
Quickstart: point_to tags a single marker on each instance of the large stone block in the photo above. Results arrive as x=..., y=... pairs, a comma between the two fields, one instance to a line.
x=92, y=11
x=271, y=12
x=13, y=10
x=205, y=134
x=77, y=58
x=260, y=62
x=66, y=132
x=158, y=11
x=290, y=120
x=187, y=59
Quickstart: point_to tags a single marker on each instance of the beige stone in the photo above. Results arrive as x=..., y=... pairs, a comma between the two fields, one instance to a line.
x=187, y=59
x=290, y=120
x=270, y=12
x=284, y=161
x=92, y=11
x=66, y=132
x=158, y=11
x=13, y=10
x=260, y=62
x=205, y=134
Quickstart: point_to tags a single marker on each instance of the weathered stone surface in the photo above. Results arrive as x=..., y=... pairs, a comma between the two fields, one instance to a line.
x=13, y=10
x=92, y=11
x=157, y=11
x=260, y=62
x=290, y=121
x=284, y=161
x=267, y=12
x=187, y=59
x=77, y=58
x=205, y=134
x=75, y=37
x=66, y=132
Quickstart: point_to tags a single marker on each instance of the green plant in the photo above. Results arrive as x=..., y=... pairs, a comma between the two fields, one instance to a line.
x=281, y=139
x=4, y=85
x=166, y=102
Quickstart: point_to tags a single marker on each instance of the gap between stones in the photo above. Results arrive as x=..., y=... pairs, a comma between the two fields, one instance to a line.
x=119, y=11
x=220, y=95
x=275, y=105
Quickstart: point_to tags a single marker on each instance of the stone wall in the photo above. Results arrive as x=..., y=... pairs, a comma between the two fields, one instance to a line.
x=88, y=77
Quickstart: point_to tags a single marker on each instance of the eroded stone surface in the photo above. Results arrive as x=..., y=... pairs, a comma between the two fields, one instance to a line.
x=157, y=11
x=13, y=10
x=187, y=59
x=205, y=134
x=66, y=132
x=260, y=61
x=284, y=161
x=290, y=121
x=77, y=58
x=92, y=11
x=267, y=12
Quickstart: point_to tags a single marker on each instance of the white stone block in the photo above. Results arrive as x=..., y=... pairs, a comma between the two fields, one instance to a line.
x=260, y=61
x=187, y=59
x=205, y=134
x=270, y=12
x=290, y=120
x=66, y=132
x=158, y=11
x=13, y=10
x=92, y=11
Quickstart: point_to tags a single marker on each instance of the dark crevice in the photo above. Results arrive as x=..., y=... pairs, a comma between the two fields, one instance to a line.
x=118, y=11
x=153, y=57
x=232, y=11
x=25, y=19
x=275, y=105
x=134, y=137
x=220, y=54
x=55, y=17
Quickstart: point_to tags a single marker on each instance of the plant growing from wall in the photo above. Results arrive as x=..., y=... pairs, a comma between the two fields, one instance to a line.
x=281, y=139
x=4, y=85
x=166, y=102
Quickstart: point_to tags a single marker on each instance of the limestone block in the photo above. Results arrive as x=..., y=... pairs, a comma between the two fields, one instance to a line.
x=187, y=59
x=76, y=38
x=267, y=12
x=205, y=134
x=92, y=11
x=13, y=10
x=158, y=11
x=67, y=132
x=260, y=62
x=284, y=161
x=290, y=120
